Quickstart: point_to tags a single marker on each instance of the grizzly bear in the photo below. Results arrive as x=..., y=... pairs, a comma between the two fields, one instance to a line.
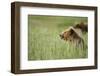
x=74, y=33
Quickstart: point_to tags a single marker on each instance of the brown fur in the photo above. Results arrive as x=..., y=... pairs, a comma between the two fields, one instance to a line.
x=82, y=26
x=74, y=33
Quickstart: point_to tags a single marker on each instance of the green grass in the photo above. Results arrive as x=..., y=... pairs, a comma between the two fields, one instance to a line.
x=44, y=42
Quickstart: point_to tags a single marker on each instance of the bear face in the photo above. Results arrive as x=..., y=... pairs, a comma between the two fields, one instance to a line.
x=65, y=35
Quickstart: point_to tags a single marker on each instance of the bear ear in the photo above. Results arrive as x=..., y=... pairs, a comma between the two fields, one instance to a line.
x=77, y=26
x=82, y=23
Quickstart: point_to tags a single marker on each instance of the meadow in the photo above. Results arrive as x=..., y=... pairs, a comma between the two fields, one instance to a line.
x=44, y=42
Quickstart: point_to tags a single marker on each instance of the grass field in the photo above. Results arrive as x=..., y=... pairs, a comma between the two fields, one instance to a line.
x=44, y=42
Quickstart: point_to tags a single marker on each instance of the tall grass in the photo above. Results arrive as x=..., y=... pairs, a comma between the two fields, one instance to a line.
x=44, y=42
